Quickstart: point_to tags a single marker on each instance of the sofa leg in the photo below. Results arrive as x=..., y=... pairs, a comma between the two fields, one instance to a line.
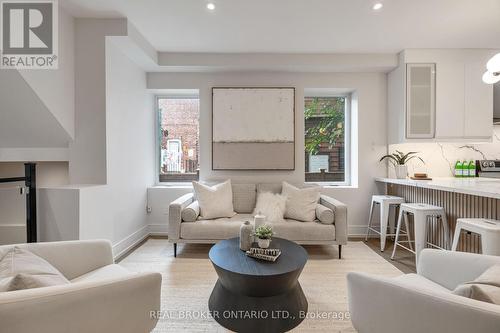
x=340, y=251
x=175, y=249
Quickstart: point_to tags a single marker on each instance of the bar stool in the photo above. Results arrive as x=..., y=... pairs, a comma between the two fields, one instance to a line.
x=385, y=202
x=421, y=213
x=488, y=229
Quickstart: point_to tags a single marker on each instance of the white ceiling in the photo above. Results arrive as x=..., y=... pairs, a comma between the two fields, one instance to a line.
x=304, y=26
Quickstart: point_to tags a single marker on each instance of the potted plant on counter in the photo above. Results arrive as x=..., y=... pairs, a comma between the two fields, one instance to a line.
x=264, y=234
x=400, y=160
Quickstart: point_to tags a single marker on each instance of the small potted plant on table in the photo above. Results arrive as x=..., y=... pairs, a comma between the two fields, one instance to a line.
x=400, y=160
x=264, y=234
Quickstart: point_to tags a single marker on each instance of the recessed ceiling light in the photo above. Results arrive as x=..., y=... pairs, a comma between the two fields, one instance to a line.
x=210, y=6
x=378, y=6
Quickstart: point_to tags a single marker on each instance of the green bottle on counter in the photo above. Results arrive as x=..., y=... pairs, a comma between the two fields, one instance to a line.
x=459, y=169
x=472, y=168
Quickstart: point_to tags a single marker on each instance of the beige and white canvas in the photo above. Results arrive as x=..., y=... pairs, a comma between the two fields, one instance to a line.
x=253, y=128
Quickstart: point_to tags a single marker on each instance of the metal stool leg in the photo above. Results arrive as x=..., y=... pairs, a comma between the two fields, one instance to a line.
x=407, y=229
x=420, y=226
x=370, y=218
x=456, y=237
x=384, y=220
x=398, y=229
x=446, y=230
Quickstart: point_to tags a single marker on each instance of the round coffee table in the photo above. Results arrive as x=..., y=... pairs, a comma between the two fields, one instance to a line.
x=253, y=295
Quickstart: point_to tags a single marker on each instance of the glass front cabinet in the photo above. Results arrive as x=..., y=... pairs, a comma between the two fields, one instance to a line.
x=420, y=101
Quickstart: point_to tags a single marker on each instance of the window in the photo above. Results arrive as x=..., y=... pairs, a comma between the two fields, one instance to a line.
x=178, y=138
x=326, y=139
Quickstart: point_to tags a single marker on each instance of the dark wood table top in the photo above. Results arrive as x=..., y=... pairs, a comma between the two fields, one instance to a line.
x=227, y=255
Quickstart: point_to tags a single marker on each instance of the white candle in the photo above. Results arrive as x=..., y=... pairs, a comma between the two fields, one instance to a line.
x=259, y=220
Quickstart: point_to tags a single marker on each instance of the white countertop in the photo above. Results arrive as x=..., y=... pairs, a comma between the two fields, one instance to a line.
x=483, y=187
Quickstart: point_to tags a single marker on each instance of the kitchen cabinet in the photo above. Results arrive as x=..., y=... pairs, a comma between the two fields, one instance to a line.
x=439, y=96
x=420, y=100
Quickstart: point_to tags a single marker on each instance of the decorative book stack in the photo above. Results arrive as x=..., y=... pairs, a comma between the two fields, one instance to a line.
x=264, y=254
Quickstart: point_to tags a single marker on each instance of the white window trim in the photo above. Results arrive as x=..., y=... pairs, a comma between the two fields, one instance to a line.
x=347, y=137
x=172, y=95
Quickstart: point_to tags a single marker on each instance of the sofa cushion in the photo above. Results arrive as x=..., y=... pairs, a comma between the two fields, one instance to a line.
x=21, y=269
x=269, y=187
x=105, y=272
x=304, y=231
x=324, y=214
x=225, y=228
x=301, y=203
x=244, y=197
x=216, y=229
x=416, y=281
x=215, y=201
x=191, y=212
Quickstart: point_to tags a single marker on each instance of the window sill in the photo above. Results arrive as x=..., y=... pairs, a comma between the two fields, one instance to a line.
x=338, y=186
x=173, y=185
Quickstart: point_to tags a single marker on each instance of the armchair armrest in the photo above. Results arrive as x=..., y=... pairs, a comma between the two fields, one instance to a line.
x=174, y=216
x=381, y=305
x=340, y=211
x=74, y=258
x=450, y=269
x=122, y=304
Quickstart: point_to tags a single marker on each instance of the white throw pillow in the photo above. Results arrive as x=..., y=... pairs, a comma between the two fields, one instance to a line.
x=215, y=201
x=301, y=203
x=21, y=269
x=271, y=205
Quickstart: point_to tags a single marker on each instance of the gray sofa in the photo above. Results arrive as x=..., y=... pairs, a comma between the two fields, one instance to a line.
x=244, y=199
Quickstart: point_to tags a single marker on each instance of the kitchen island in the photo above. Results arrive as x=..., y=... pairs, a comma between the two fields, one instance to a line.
x=460, y=197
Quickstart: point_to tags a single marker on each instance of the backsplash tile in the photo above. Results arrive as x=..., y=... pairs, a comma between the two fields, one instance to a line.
x=440, y=157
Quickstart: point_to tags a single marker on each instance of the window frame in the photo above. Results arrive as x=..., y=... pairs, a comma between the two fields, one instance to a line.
x=157, y=98
x=322, y=93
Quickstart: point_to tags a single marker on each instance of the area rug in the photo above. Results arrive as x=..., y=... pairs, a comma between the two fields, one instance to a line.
x=189, y=279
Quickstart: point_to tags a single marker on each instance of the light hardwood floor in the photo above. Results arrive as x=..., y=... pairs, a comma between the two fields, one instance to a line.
x=189, y=279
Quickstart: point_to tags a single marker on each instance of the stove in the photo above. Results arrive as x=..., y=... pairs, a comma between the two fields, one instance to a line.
x=488, y=168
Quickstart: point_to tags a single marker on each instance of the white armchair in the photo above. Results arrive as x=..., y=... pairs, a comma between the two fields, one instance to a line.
x=423, y=302
x=102, y=296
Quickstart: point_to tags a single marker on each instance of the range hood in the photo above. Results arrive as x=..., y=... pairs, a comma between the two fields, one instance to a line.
x=496, y=104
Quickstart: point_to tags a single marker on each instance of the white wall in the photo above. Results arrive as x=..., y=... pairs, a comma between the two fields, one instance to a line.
x=56, y=88
x=88, y=150
x=371, y=91
x=129, y=141
x=115, y=210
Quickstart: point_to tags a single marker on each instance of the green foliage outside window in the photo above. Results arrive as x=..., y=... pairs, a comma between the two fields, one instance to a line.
x=329, y=125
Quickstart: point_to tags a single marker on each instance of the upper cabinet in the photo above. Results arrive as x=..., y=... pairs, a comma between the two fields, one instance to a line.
x=420, y=100
x=438, y=95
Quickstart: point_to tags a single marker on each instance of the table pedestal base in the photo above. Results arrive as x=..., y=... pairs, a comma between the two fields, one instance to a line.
x=241, y=313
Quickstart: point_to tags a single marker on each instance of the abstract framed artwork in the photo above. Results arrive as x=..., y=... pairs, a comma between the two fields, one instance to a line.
x=253, y=128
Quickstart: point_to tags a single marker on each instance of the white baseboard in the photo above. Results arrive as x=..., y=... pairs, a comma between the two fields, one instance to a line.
x=357, y=230
x=128, y=243
x=158, y=229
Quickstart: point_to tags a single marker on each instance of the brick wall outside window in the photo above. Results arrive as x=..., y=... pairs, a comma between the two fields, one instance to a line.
x=179, y=122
